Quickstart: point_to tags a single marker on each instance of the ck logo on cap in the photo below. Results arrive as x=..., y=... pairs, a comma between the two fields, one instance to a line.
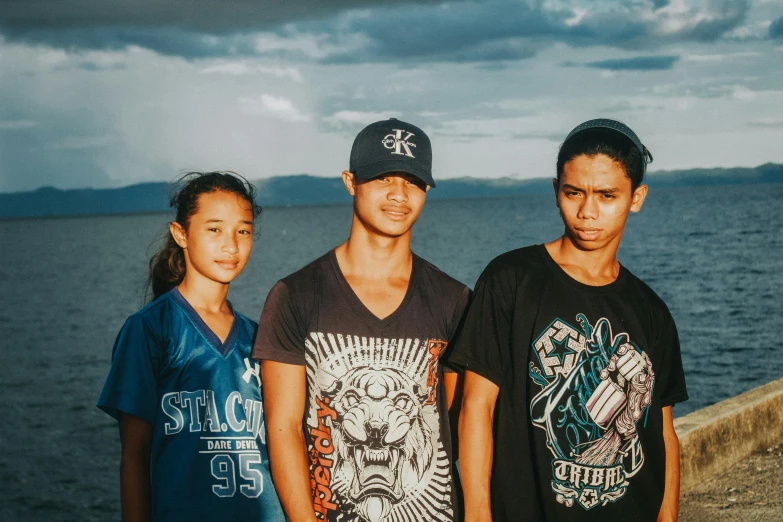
x=400, y=145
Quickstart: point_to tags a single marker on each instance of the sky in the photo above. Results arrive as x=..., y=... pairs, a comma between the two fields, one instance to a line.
x=106, y=94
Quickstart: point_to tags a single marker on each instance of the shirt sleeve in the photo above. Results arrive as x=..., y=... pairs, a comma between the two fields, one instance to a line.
x=484, y=340
x=131, y=386
x=670, y=377
x=281, y=335
x=457, y=320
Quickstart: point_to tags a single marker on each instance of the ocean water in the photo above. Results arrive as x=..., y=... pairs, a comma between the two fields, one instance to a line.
x=715, y=255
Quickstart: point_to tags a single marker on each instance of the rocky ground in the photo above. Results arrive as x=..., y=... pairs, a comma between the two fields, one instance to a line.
x=751, y=491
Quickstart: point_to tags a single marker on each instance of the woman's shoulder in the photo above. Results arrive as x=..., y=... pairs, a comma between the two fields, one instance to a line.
x=156, y=317
x=246, y=324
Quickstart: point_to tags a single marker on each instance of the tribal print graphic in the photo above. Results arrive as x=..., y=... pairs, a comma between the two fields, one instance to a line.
x=595, y=388
x=374, y=435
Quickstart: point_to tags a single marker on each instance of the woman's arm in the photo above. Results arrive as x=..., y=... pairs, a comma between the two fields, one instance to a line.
x=136, y=438
x=671, y=493
x=476, y=445
x=285, y=392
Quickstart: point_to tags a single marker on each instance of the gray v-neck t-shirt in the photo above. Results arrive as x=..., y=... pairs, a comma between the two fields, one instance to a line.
x=376, y=421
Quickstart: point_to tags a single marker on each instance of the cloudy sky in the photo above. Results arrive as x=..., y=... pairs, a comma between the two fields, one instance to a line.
x=102, y=94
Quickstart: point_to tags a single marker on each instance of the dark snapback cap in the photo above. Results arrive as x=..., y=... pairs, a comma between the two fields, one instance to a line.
x=605, y=123
x=390, y=146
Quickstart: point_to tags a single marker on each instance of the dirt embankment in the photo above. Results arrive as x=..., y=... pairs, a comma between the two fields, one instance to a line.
x=749, y=491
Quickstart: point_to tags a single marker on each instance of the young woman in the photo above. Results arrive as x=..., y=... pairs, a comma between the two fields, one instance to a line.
x=182, y=384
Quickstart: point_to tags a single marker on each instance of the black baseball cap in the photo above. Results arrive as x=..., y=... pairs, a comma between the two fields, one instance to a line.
x=390, y=146
x=605, y=123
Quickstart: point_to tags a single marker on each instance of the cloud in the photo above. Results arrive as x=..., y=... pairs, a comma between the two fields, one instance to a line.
x=776, y=28
x=343, y=119
x=277, y=106
x=756, y=30
x=695, y=20
x=720, y=57
x=505, y=30
x=229, y=68
x=12, y=125
x=93, y=61
x=767, y=122
x=243, y=69
x=625, y=106
x=79, y=143
x=638, y=63
x=209, y=16
x=742, y=93
x=163, y=40
x=354, y=31
x=93, y=66
x=537, y=136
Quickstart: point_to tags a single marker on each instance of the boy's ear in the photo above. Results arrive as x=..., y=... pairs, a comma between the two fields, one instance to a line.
x=178, y=233
x=556, y=186
x=637, y=199
x=350, y=182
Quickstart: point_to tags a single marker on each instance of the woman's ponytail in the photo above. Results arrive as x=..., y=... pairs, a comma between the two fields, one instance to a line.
x=167, y=268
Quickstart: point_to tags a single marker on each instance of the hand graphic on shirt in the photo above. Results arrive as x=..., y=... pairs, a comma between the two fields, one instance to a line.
x=634, y=375
x=618, y=402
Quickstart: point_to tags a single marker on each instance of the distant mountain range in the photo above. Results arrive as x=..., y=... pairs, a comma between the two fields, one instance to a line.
x=297, y=190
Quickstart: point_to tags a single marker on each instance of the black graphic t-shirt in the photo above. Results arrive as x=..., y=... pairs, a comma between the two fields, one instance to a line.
x=376, y=423
x=584, y=373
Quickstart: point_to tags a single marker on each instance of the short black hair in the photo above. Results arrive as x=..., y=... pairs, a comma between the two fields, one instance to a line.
x=611, y=143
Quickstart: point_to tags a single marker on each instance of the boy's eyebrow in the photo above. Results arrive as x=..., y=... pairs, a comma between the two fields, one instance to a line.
x=248, y=223
x=608, y=190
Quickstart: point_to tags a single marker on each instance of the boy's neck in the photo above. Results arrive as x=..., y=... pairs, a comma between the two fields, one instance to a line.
x=369, y=255
x=592, y=267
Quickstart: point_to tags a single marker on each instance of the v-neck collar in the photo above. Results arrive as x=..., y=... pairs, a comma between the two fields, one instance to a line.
x=223, y=348
x=359, y=307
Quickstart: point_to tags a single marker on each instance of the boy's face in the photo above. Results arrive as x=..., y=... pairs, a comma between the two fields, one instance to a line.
x=388, y=205
x=595, y=196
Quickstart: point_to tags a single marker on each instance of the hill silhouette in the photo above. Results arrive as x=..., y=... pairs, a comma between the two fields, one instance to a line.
x=303, y=189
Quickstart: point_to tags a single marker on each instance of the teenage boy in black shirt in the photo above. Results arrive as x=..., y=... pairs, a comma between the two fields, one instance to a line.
x=351, y=348
x=572, y=363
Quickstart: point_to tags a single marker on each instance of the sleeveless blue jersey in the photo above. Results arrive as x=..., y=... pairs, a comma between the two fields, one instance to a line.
x=203, y=398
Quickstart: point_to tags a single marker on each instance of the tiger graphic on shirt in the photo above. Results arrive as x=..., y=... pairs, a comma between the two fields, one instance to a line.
x=373, y=429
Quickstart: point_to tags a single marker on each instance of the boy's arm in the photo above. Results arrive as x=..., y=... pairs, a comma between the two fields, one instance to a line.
x=671, y=493
x=476, y=445
x=452, y=384
x=285, y=388
x=450, y=381
x=136, y=438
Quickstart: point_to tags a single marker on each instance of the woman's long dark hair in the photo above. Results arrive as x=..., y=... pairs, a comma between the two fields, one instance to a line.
x=167, y=266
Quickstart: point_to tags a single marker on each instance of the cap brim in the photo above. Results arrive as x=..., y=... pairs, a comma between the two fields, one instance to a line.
x=379, y=168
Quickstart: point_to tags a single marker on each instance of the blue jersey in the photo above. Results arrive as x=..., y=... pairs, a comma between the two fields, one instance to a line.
x=203, y=398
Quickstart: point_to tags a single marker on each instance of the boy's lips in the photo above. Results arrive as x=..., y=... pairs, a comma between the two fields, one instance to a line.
x=395, y=212
x=588, y=231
